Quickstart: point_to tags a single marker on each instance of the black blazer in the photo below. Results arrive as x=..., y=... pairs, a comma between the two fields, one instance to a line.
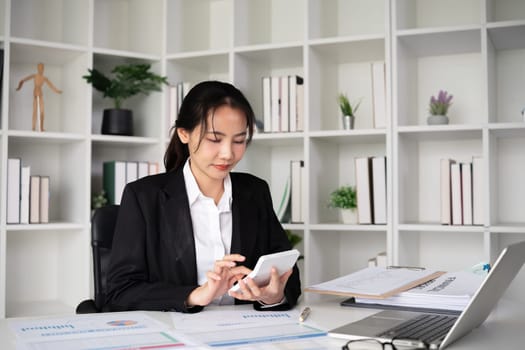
x=153, y=264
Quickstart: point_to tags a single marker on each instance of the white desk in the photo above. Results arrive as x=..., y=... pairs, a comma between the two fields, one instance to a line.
x=504, y=327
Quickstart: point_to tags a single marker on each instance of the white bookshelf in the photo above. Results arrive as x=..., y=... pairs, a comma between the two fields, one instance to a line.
x=475, y=49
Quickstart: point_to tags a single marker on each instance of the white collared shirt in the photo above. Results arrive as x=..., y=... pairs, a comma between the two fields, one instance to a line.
x=212, y=226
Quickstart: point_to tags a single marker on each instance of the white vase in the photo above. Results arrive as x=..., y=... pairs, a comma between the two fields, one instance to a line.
x=348, y=216
x=437, y=120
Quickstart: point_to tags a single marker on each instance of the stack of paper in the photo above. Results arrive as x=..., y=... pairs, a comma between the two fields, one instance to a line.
x=375, y=282
x=450, y=291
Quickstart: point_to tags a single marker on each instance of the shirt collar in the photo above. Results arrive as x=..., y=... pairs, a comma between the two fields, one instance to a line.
x=194, y=192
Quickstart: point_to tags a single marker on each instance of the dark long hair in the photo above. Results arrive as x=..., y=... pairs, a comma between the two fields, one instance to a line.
x=203, y=99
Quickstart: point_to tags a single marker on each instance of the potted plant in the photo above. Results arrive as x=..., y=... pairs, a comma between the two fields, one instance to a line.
x=345, y=198
x=128, y=80
x=438, y=108
x=347, y=110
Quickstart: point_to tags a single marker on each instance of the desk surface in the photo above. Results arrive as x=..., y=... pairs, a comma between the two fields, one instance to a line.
x=505, y=326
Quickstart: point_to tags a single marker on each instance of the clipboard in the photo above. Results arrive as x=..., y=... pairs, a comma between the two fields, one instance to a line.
x=375, y=282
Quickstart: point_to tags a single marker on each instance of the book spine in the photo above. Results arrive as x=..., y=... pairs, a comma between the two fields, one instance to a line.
x=44, y=199
x=132, y=171
x=363, y=189
x=379, y=189
x=445, y=187
x=34, y=199
x=285, y=103
x=143, y=169
x=267, y=104
x=14, y=169
x=114, y=180
x=455, y=183
x=275, y=101
x=466, y=192
x=24, y=194
x=478, y=213
x=300, y=103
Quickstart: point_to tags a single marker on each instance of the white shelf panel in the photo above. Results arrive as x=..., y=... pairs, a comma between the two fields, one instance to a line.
x=436, y=13
x=505, y=11
x=440, y=132
x=52, y=52
x=278, y=139
x=503, y=130
x=119, y=54
x=128, y=25
x=507, y=37
x=336, y=18
x=361, y=136
x=199, y=25
x=518, y=228
x=58, y=21
x=433, y=42
x=436, y=227
x=348, y=227
x=122, y=140
x=52, y=226
x=45, y=136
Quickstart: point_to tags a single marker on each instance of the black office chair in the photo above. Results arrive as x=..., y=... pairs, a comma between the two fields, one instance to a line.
x=102, y=229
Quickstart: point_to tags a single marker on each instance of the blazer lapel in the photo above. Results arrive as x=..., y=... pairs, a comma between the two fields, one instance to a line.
x=177, y=228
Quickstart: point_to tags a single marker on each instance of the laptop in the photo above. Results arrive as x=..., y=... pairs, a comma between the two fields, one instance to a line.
x=436, y=329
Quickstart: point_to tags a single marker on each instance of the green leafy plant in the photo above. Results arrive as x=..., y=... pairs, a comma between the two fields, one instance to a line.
x=441, y=104
x=128, y=80
x=294, y=240
x=344, y=197
x=345, y=105
x=99, y=200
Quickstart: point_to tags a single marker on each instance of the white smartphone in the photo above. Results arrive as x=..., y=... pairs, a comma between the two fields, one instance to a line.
x=282, y=261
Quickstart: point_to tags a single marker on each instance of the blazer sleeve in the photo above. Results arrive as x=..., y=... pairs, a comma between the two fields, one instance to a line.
x=134, y=279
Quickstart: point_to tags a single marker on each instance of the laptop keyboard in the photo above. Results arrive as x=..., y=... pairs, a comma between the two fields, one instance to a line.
x=425, y=327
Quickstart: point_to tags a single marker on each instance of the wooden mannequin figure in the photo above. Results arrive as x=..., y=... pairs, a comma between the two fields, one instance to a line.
x=38, y=96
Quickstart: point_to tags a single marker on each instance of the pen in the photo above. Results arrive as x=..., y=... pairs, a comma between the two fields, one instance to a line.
x=304, y=314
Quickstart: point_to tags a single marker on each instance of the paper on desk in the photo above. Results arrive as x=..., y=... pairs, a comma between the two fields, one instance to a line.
x=450, y=291
x=375, y=282
x=243, y=326
x=240, y=317
x=82, y=326
x=154, y=340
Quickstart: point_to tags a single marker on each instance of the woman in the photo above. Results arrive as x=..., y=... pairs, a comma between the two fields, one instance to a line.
x=183, y=238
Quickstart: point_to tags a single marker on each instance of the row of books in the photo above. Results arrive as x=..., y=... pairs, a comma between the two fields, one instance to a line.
x=370, y=176
x=176, y=95
x=291, y=206
x=462, y=192
x=283, y=103
x=27, y=194
x=116, y=174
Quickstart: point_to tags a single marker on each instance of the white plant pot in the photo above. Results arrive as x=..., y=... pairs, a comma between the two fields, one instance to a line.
x=437, y=120
x=348, y=122
x=348, y=216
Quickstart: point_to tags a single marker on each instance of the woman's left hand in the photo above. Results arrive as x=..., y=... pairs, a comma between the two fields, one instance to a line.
x=271, y=293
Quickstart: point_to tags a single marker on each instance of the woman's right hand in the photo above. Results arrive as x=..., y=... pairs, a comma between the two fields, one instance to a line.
x=224, y=274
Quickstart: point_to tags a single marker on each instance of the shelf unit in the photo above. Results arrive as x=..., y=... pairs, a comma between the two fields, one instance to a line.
x=476, y=52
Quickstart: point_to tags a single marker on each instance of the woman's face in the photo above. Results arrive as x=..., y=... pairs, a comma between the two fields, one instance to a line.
x=222, y=146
